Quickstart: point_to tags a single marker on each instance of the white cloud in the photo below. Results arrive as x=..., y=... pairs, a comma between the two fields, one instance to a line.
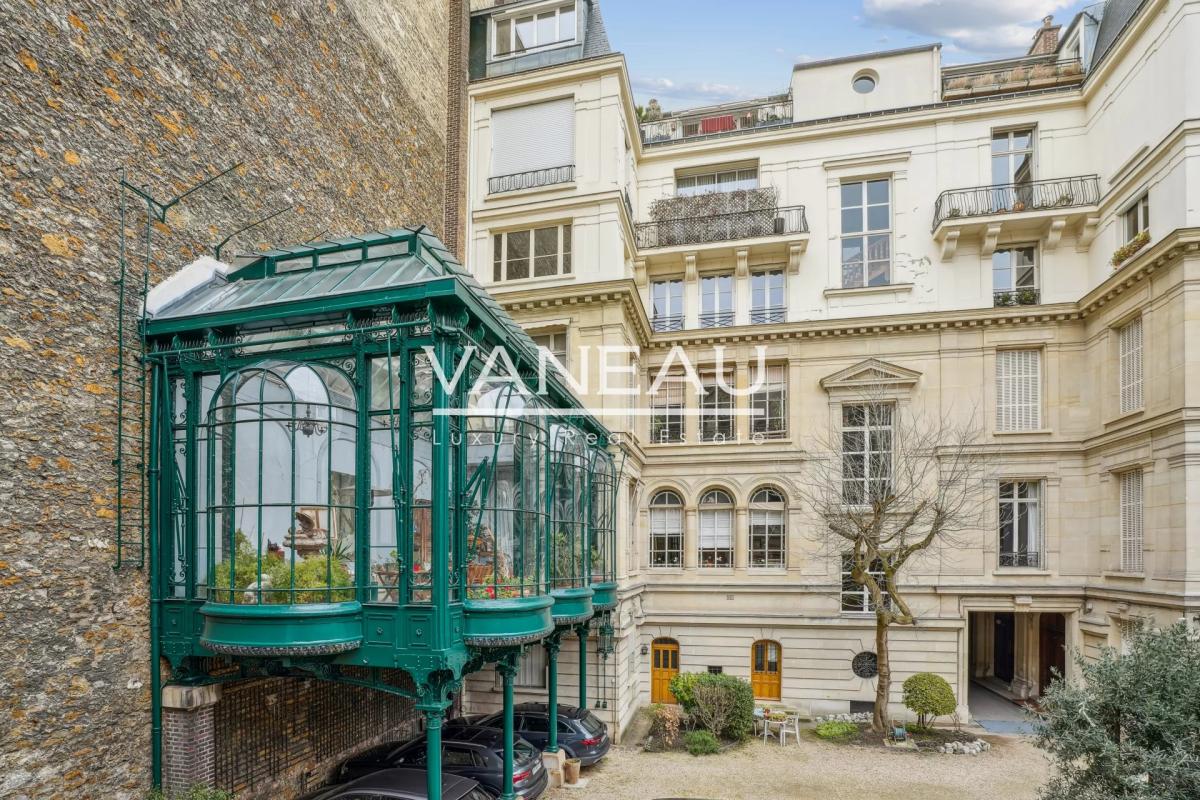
x=979, y=26
x=688, y=90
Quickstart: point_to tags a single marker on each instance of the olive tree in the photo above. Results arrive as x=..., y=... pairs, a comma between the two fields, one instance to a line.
x=1129, y=727
x=889, y=484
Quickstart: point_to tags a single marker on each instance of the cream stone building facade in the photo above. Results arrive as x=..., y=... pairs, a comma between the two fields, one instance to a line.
x=944, y=235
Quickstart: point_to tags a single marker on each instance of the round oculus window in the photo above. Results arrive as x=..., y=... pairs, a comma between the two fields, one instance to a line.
x=864, y=84
x=865, y=664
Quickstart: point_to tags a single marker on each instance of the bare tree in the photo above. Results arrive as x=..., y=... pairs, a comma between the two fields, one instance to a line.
x=889, y=484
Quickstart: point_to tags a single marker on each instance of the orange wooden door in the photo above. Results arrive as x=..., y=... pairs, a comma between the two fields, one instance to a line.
x=664, y=665
x=765, y=670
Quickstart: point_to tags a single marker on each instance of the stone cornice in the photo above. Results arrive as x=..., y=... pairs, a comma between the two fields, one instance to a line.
x=622, y=291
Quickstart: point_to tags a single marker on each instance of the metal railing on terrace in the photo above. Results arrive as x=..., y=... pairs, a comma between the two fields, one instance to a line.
x=668, y=322
x=1025, y=558
x=1003, y=198
x=727, y=227
x=531, y=179
x=716, y=319
x=1013, y=75
x=716, y=120
x=768, y=315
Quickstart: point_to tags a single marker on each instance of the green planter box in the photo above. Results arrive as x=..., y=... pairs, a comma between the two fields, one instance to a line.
x=605, y=596
x=510, y=621
x=572, y=606
x=311, y=629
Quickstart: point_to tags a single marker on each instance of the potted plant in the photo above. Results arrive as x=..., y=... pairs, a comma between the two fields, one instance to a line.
x=1019, y=206
x=1123, y=253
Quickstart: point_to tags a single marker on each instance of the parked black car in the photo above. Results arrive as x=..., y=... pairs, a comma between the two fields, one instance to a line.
x=580, y=733
x=401, y=784
x=470, y=751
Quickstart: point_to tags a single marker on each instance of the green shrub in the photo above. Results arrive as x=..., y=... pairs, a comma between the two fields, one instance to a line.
x=313, y=572
x=681, y=687
x=928, y=696
x=701, y=743
x=197, y=792
x=837, y=730
x=724, y=706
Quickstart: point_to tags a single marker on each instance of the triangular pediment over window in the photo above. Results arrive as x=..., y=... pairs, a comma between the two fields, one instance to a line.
x=871, y=373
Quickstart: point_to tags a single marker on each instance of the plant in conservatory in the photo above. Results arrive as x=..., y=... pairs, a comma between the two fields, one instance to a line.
x=273, y=583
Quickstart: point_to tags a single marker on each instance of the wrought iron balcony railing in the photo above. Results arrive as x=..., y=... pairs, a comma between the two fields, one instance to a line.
x=716, y=319
x=765, y=316
x=1013, y=75
x=531, y=179
x=722, y=227
x=1027, y=559
x=718, y=120
x=671, y=322
x=1003, y=198
x=1017, y=297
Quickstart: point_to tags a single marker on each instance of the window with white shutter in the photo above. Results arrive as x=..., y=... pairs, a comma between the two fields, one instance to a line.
x=1130, y=362
x=533, y=137
x=1131, y=521
x=1018, y=390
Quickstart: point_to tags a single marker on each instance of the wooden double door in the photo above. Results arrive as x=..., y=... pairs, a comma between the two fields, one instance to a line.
x=765, y=669
x=664, y=665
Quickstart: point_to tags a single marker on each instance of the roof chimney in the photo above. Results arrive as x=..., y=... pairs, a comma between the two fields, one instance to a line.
x=1046, y=39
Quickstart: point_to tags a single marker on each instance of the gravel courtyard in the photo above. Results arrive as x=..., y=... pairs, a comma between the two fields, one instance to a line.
x=1012, y=770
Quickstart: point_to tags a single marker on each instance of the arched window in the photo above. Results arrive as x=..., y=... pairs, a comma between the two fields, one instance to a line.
x=666, y=529
x=716, y=529
x=768, y=529
x=766, y=670
x=281, y=506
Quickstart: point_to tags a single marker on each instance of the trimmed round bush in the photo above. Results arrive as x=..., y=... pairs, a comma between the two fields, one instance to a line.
x=928, y=696
x=701, y=743
x=836, y=729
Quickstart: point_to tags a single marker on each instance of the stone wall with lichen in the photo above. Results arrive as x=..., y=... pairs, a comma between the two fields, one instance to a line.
x=335, y=109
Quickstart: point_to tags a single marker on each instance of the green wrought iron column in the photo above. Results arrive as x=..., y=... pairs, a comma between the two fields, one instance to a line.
x=582, y=631
x=552, y=644
x=435, y=715
x=508, y=671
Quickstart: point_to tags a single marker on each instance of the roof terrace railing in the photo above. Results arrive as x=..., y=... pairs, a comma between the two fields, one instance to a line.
x=1004, y=198
x=722, y=227
x=531, y=179
x=1013, y=75
x=718, y=120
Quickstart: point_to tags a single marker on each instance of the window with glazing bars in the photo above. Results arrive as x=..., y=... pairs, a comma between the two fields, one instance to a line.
x=1020, y=524
x=1131, y=521
x=531, y=674
x=556, y=343
x=726, y=181
x=867, y=451
x=1130, y=364
x=1018, y=390
x=666, y=411
x=666, y=530
x=866, y=233
x=768, y=529
x=520, y=34
x=666, y=305
x=716, y=529
x=1137, y=217
x=768, y=404
x=855, y=597
x=716, y=301
x=716, y=408
x=767, y=303
x=513, y=258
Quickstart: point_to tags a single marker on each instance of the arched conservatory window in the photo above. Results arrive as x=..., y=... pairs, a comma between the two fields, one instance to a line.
x=716, y=529
x=604, y=513
x=666, y=529
x=569, y=507
x=280, y=516
x=768, y=529
x=506, y=469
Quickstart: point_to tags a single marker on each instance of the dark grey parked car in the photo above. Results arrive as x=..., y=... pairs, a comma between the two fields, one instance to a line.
x=470, y=751
x=401, y=784
x=580, y=733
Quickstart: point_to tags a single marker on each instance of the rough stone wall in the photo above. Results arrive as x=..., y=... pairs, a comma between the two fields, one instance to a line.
x=334, y=107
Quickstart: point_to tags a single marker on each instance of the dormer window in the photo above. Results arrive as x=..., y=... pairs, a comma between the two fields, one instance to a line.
x=533, y=29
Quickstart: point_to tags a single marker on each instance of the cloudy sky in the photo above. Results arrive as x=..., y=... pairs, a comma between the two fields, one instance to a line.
x=698, y=52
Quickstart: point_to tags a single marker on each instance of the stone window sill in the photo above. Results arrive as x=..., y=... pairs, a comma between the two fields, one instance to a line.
x=891, y=288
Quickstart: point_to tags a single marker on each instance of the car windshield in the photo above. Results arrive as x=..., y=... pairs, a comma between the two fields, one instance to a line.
x=592, y=725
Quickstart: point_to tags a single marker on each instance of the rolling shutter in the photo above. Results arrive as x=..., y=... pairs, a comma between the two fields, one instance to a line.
x=1018, y=390
x=1131, y=521
x=1130, y=338
x=533, y=137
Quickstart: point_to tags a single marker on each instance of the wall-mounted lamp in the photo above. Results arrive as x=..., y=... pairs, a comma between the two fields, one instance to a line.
x=645, y=649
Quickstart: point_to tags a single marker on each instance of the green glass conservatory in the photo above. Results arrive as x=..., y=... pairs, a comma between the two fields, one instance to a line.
x=340, y=485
